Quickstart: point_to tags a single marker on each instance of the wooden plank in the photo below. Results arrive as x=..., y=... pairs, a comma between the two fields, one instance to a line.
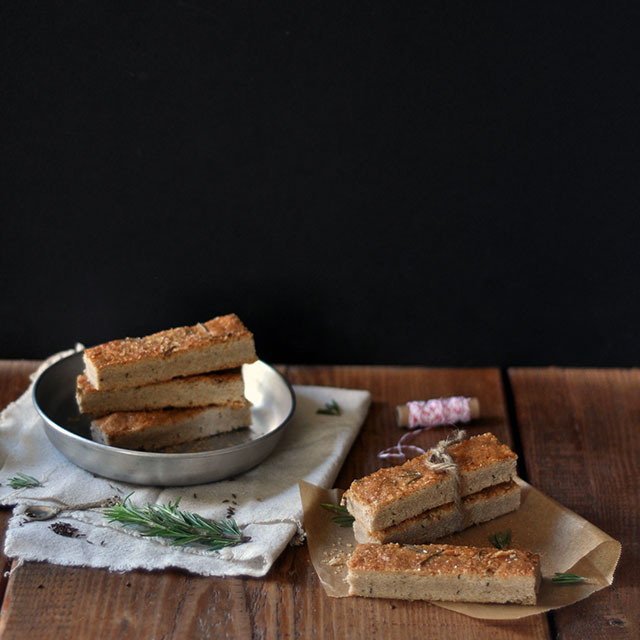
x=47, y=601
x=14, y=379
x=579, y=432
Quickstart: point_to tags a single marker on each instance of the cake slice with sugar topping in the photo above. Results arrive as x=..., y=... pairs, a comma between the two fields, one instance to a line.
x=218, y=387
x=154, y=430
x=221, y=343
x=444, y=572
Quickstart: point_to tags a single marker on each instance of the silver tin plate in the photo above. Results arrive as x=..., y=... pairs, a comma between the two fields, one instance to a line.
x=216, y=458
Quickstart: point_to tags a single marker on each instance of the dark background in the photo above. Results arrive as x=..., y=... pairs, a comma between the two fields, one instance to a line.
x=450, y=183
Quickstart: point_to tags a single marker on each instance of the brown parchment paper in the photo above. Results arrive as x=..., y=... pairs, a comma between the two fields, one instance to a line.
x=565, y=541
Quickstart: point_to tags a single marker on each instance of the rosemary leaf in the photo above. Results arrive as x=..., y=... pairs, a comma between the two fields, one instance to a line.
x=568, y=578
x=501, y=540
x=411, y=476
x=182, y=527
x=429, y=554
x=23, y=481
x=330, y=409
x=342, y=517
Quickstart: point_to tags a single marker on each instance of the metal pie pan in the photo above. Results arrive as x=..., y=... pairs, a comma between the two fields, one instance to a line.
x=215, y=458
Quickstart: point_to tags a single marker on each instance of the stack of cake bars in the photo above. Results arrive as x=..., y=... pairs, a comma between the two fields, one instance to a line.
x=412, y=504
x=168, y=388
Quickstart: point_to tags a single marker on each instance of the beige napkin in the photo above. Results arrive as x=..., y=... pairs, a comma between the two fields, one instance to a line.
x=266, y=499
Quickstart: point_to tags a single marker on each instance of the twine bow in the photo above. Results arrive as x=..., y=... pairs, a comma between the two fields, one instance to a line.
x=439, y=459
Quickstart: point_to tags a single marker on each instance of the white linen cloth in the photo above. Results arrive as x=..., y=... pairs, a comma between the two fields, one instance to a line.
x=266, y=499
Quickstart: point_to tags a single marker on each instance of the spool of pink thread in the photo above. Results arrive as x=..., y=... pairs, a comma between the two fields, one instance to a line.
x=437, y=412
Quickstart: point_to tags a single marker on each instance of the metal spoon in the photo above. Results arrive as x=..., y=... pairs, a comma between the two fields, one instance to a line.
x=46, y=512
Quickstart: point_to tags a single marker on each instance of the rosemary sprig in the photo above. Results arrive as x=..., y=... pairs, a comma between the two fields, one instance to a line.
x=430, y=554
x=330, y=409
x=23, y=481
x=501, y=540
x=412, y=475
x=182, y=527
x=568, y=578
x=342, y=518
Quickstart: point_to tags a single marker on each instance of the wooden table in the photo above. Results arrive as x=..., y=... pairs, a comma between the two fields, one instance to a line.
x=577, y=434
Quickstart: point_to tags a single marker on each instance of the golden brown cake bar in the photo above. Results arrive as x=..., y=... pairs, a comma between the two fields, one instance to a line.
x=444, y=573
x=153, y=430
x=193, y=391
x=391, y=495
x=435, y=523
x=221, y=343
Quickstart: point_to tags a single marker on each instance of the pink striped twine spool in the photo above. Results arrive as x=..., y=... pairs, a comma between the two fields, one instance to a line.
x=438, y=412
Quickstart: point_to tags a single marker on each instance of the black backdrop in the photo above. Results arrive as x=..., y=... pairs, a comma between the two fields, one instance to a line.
x=450, y=183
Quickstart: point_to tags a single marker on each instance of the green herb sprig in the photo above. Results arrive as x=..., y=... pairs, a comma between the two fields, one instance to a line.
x=429, y=554
x=568, y=578
x=342, y=517
x=412, y=475
x=501, y=540
x=330, y=409
x=23, y=481
x=182, y=527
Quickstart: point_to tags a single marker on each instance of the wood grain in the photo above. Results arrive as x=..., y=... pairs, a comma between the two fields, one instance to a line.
x=47, y=601
x=579, y=432
x=14, y=379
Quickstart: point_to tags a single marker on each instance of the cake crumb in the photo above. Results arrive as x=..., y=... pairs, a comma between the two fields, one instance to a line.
x=339, y=559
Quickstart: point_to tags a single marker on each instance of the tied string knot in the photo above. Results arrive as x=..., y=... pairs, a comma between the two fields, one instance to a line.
x=440, y=461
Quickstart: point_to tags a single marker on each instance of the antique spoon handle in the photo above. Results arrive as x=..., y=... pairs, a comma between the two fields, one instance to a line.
x=46, y=512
